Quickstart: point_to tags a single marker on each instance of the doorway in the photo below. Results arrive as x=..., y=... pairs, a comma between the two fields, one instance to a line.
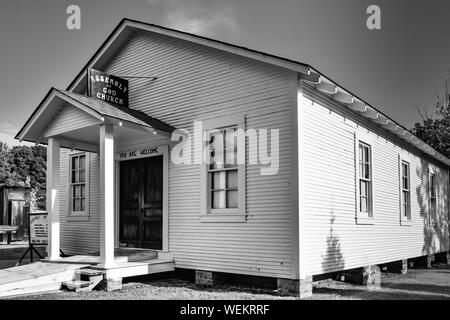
x=141, y=203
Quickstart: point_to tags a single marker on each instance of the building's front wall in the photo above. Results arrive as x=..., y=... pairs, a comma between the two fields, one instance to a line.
x=199, y=83
x=332, y=239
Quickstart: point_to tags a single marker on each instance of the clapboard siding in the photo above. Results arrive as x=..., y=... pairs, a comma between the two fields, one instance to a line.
x=68, y=119
x=80, y=236
x=333, y=241
x=199, y=83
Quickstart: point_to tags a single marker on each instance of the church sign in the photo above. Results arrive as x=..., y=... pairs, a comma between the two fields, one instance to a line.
x=108, y=88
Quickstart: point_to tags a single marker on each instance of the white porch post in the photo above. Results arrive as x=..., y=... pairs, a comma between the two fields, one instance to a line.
x=53, y=198
x=107, y=194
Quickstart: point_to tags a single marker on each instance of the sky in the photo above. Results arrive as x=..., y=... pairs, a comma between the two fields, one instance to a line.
x=397, y=69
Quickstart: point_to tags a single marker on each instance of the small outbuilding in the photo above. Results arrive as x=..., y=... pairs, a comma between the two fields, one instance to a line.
x=13, y=200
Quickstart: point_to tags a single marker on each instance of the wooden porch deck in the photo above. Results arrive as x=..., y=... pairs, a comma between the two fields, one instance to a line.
x=44, y=276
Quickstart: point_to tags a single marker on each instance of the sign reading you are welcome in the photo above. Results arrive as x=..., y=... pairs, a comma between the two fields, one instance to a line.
x=108, y=88
x=137, y=154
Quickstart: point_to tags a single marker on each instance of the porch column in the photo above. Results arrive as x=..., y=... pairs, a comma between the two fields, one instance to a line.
x=106, y=195
x=53, y=198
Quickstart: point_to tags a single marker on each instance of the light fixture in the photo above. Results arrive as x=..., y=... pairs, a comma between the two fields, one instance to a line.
x=155, y=133
x=120, y=123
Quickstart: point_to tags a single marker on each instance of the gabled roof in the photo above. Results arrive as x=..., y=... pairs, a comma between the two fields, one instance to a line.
x=55, y=100
x=127, y=27
x=105, y=109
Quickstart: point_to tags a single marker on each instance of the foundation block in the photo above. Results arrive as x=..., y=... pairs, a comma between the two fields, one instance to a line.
x=110, y=284
x=205, y=278
x=399, y=266
x=369, y=276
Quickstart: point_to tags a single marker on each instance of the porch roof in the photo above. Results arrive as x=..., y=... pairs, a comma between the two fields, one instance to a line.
x=56, y=99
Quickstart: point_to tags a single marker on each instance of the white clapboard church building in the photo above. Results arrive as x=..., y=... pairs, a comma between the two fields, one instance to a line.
x=329, y=183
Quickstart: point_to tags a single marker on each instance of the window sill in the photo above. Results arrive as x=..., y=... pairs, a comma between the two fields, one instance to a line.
x=406, y=223
x=227, y=218
x=365, y=220
x=80, y=217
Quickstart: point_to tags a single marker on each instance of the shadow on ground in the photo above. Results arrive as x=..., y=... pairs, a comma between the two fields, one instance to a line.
x=11, y=254
x=418, y=284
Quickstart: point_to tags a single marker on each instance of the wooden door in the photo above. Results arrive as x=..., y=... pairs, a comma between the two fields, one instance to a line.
x=141, y=195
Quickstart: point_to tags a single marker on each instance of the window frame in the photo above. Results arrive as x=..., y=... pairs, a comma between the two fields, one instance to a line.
x=432, y=221
x=77, y=215
x=209, y=214
x=361, y=217
x=405, y=220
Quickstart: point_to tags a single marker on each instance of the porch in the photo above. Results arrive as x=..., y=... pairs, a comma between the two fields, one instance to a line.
x=73, y=121
x=82, y=272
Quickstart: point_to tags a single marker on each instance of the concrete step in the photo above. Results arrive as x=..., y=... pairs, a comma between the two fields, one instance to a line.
x=77, y=285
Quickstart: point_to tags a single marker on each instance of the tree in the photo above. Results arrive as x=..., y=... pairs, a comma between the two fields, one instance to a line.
x=25, y=166
x=435, y=129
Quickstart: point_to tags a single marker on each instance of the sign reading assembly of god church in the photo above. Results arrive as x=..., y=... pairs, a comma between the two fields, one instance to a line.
x=108, y=88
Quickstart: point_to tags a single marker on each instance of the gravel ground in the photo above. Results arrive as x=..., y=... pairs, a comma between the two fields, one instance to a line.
x=167, y=289
x=418, y=284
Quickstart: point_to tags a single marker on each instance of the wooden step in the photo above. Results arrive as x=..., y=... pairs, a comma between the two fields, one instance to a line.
x=77, y=285
x=90, y=272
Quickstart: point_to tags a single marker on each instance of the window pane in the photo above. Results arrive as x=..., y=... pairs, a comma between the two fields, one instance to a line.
x=232, y=199
x=83, y=205
x=74, y=163
x=232, y=179
x=83, y=195
x=82, y=175
x=76, y=205
x=230, y=147
x=77, y=191
x=366, y=171
x=363, y=206
x=218, y=200
x=74, y=176
x=366, y=154
x=216, y=177
x=363, y=189
x=82, y=162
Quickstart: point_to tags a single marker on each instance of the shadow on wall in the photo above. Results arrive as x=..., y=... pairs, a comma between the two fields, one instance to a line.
x=333, y=257
x=435, y=226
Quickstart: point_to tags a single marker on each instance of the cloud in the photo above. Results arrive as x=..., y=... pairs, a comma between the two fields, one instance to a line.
x=6, y=127
x=207, y=19
x=7, y=134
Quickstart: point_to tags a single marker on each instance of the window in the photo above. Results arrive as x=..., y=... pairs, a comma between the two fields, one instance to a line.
x=223, y=170
x=405, y=191
x=365, y=181
x=433, y=196
x=78, y=184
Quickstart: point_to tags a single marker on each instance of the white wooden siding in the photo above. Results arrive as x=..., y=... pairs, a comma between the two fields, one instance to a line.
x=333, y=241
x=68, y=119
x=198, y=83
x=80, y=235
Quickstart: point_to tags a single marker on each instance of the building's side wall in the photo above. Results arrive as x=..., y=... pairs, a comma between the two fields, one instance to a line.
x=333, y=241
x=199, y=83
